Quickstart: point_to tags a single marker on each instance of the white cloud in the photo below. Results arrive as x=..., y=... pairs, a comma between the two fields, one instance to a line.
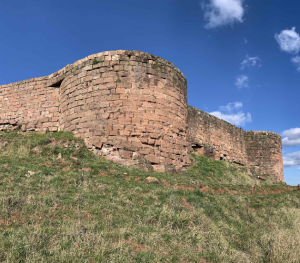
x=291, y=137
x=223, y=12
x=289, y=40
x=296, y=61
x=298, y=169
x=290, y=143
x=231, y=106
x=250, y=62
x=238, y=119
x=291, y=159
x=242, y=81
x=245, y=40
x=232, y=114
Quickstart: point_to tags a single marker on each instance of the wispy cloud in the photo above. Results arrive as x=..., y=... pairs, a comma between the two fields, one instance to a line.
x=233, y=114
x=238, y=119
x=231, y=106
x=291, y=137
x=298, y=169
x=289, y=40
x=251, y=62
x=296, y=61
x=242, y=81
x=291, y=159
x=223, y=12
x=245, y=40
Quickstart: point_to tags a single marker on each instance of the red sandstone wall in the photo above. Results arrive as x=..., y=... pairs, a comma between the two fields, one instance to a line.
x=220, y=140
x=130, y=106
x=264, y=153
x=215, y=138
x=29, y=103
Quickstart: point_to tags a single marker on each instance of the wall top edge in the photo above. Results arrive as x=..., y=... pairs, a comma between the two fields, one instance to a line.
x=109, y=56
x=26, y=81
x=214, y=117
x=267, y=132
x=228, y=123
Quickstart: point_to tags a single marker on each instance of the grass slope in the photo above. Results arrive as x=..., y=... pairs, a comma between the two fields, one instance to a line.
x=82, y=208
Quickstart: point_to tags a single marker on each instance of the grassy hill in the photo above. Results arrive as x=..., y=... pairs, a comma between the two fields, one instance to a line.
x=61, y=203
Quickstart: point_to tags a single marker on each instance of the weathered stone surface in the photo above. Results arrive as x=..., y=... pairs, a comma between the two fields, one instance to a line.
x=220, y=140
x=264, y=153
x=125, y=154
x=132, y=106
x=215, y=138
x=152, y=158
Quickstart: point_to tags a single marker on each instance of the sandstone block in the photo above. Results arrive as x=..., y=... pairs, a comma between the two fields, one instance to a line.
x=152, y=158
x=125, y=154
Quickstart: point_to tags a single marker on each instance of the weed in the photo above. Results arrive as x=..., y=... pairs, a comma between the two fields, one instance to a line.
x=95, y=61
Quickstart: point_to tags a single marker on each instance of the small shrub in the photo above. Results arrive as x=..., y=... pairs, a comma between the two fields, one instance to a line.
x=95, y=61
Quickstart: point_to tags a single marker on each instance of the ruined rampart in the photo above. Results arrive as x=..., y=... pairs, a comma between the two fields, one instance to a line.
x=220, y=140
x=132, y=108
x=264, y=153
x=215, y=138
x=30, y=103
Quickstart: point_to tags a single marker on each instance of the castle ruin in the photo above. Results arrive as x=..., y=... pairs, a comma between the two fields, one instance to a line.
x=131, y=107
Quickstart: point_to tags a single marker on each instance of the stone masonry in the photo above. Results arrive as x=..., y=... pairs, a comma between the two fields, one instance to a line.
x=131, y=107
x=260, y=151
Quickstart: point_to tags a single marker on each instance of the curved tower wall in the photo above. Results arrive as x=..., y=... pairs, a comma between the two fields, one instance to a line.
x=130, y=106
x=264, y=152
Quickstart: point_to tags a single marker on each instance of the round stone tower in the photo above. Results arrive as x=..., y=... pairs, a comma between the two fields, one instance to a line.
x=129, y=106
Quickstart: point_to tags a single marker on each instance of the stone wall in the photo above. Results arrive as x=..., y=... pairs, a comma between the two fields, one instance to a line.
x=215, y=138
x=131, y=107
x=30, y=104
x=220, y=140
x=264, y=152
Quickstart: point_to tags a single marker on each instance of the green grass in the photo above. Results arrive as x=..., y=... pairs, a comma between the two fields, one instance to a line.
x=82, y=208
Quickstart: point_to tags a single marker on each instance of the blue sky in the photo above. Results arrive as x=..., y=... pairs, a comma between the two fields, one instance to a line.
x=241, y=58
